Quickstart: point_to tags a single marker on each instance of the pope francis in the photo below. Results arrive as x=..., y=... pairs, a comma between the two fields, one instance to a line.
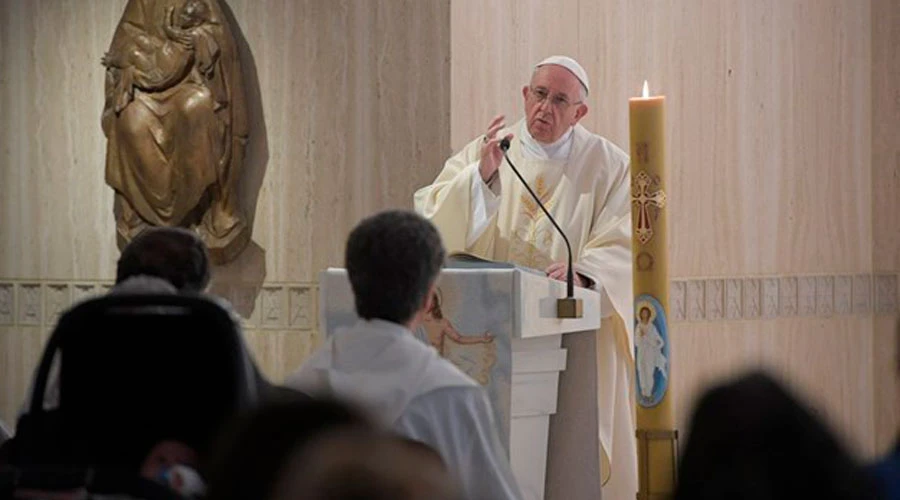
x=583, y=180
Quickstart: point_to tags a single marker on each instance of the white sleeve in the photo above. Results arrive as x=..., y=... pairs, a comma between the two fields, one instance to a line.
x=606, y=305
x=458, y=423
x=447, y=201
x=485, y=204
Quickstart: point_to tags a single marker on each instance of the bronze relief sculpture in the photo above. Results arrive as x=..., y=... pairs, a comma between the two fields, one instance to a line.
x=175, y=120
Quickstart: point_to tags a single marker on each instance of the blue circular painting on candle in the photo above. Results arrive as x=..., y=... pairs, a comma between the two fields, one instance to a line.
x=651, y=350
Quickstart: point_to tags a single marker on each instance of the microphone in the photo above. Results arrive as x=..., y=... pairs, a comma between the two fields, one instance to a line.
x=569, y=307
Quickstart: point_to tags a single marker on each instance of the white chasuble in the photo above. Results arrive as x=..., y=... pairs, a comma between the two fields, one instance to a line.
x=583, y=181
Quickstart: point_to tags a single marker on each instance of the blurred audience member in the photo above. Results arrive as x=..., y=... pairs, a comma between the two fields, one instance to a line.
x=393, y=260
x=5, y=433
x=256, y=448
x=886, y=474
x=164, y=260
x=887, y=470
x=365, y=466
x=751, y=439
x=158, y=261
x=173, y=464
x=174, y=255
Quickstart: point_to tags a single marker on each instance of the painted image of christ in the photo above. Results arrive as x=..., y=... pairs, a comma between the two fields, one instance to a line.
x=648, y=344
x=438, y=328
x=473, y=354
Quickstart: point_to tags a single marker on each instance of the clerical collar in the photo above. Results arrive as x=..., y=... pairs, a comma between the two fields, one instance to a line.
x=384, y=326
x=558, y=150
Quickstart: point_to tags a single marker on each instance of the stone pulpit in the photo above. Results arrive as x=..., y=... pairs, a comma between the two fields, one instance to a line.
x=497, y=322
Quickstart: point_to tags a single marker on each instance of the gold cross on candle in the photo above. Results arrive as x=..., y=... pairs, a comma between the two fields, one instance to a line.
x=643, y=197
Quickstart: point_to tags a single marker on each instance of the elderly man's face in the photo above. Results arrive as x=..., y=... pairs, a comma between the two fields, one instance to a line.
x=552, y=103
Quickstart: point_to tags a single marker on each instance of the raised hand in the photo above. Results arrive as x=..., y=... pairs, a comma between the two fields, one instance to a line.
x=491, y=154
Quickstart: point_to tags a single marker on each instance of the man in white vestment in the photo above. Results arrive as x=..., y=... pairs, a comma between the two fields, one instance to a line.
x=481, y=208
x=393, y=260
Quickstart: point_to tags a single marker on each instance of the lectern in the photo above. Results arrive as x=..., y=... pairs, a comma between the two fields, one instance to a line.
x=499, y=324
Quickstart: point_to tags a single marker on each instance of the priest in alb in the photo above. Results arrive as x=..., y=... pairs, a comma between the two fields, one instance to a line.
x=481, y=208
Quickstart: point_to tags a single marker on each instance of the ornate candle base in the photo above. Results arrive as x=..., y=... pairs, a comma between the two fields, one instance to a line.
x=661, y=448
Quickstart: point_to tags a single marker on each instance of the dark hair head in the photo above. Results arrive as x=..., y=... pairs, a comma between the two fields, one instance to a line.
x=392, y=259
x=752, y=439
x=257, y=447
x=176, y=255
x=366, y=465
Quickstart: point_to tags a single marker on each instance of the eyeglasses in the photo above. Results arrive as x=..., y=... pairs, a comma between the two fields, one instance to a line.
x=558, y=101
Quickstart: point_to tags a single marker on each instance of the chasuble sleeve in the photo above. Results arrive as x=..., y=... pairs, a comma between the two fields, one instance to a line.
x=606, y=254
x=458, y=202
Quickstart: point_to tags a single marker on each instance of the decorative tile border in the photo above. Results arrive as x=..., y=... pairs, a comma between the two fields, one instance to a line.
x=732, y=299
x=806, y=296
x=752, y=298
x=886, y=293
x=57, y=299
x=29, y=302
x=770, y=295
x=843, y=293
x=274, y=306
x=677, y=301
x=294, y=306
x=7, y=304
x=696, y=291
x=861, y=290
x=787, y=293
x=715, y=292
x=301, y=308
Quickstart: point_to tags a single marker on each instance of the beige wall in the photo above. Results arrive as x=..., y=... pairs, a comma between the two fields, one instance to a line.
x=886, y=208
x=773, y=163
x=350, y=109
x=782, y=126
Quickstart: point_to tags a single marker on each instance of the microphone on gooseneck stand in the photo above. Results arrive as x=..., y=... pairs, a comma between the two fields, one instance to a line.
x=569, y=307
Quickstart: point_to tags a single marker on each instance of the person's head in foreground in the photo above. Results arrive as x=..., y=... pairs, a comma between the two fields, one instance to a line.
x=258, y=446
x=555, y=98
x=174, y=255
x=393, y=259
x=365, y=466
x=751, y=439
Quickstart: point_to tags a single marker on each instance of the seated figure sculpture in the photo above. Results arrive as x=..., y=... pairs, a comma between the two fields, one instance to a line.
x=176, y=123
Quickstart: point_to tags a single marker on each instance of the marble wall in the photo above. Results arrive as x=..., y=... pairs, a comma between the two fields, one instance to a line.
x=886, y=209
x=785, y=168
x=782, y=127
x=350, y=113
